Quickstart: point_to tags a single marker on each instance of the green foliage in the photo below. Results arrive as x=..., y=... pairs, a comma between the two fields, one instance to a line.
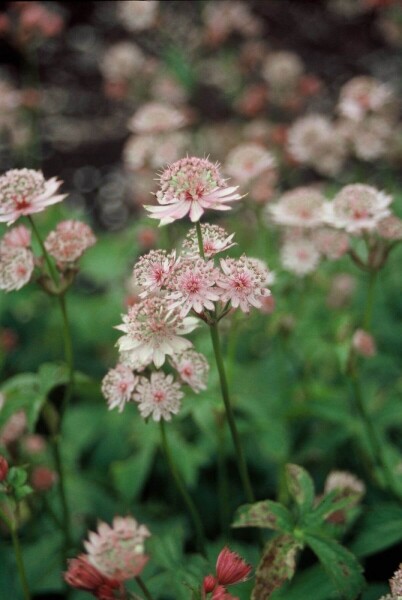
x=278, y=564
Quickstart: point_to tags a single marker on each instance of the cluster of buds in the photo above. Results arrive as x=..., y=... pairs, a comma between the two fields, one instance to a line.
x=315, y=228
x=13, y=481
x=114, y=554
x=230, y=570
x=177, y=291
x=24, y=192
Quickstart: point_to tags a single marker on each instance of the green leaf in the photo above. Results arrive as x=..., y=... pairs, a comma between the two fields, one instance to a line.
x=22, y=392
x=332, y=502
x=22, y=491
x=341, y=565
x=278, y=564
x=311, y=583
x=380, y=528
x=129, y=475
x=267, y=514
x=301, y=487
x=50, y=375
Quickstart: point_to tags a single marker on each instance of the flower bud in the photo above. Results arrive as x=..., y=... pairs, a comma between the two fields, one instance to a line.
x=364, y=344
x=209, y=584
x=3, y=468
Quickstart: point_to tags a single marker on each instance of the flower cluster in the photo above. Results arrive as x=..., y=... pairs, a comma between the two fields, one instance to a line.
x=114, y=554
x=230, y=570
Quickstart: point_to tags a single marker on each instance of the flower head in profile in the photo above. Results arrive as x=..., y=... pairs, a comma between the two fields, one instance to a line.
x=117, y=551
x=68, y=242
x=191, y=186
x=25, y=192
x=243, y=282
x=82, y=575
x=193, y=286
x=301, y=207
x=214, y=238
x=153, y=330
x=390, y=228
x=358, y=207
x=156, y=117
x=230, y=570
x=17, y=237
x=152, y=270
x=193, y=369
x=158, y=397
x=344, y=482
x=16, y=266
x=118, y=386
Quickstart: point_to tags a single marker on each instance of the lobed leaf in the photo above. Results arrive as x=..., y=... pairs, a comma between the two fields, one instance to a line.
x=266, y=514
x=301, y=487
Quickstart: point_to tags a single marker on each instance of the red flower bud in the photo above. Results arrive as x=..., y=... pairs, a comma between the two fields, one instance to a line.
x=209, y=583
x=3, y=468
x=231, y=568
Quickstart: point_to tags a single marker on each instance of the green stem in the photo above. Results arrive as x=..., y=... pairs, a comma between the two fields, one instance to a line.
x=68, y=352
x=199, y=237
x=50, y=265
x=368, y=312
x=183, y=492
x=144, y=588
x=223, y=490
x=13, y=528
x=241, y=462
x=63, y=496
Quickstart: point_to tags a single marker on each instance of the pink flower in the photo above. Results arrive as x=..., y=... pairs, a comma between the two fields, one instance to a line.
x=43, y=478
x=153, y=270
x=18, y=237
x=231, y=568
x=153, y=330
x=396, y=583
x=16, y=266
x=301, y=207
x=3, y=468
x=247, y=161
x=69, y=240
x=364, y=344
x=192, y=286
x=214, y=238
x=221, y=593
x=25, y=192
x=117, y=551
x=390, y=228
x=299, y=256
x=193, y=369
x=191, y=186
x=158, y=397
x=156, y=117
x=358, y=208
x=244, y=282
x=81, y=575
x=209, y=584
x=13, y=429
x=118, y=386
x=331, y=243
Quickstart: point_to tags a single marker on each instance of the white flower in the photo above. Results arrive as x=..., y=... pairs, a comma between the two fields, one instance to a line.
x=158, y=397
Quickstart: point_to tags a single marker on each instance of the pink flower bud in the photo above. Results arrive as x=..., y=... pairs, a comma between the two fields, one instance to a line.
x=42, y=479
x=3, y=468
x=209, y=584
x=364, y=344
x=84, y=576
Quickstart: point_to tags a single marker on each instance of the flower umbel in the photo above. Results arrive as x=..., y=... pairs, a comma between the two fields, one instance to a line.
x=192, y=286
x=117, y=551
x=153, y=331
x=153, y=270
x=69, y=240
x=25, y=192
x=191, y=186
x=193, y=369
x=244, y=282
x=158, y=397
x=214, y=239
x=118, y=386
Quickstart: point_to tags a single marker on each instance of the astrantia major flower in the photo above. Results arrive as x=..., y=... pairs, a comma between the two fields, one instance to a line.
x=301, y=207
x=118, y=551
x=193, y=369
x=358, y=207
x=154, y=330
x=390, y=228
x=18, y=237
x=158, y=397
x=25, y=192
x=247, y=161
x=331, y=243
x=152, y=270
x=82, y=575
x=243, y=282
x=69, y=240
x=118, y=386
x=215, y=239
x=156, y=117
x=193, y=286
x=299, y=256
x=191, y=186
x=16, y=266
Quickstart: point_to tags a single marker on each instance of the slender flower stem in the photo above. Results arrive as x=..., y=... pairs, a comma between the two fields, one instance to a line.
x=241, y=461
x=144, y=588
x=69, y=357
x=13, y=527
x=183, y=492
x=368, y=312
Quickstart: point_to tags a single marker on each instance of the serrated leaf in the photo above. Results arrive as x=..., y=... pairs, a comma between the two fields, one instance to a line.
x=331, y=503
x=277, y=565
x=266, y=514
x=341, y=565
x=379, y=529
x=301, y=487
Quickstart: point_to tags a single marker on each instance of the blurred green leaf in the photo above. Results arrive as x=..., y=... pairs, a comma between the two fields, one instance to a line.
x=277, y=565
x=267, y=514
x=300, y=486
